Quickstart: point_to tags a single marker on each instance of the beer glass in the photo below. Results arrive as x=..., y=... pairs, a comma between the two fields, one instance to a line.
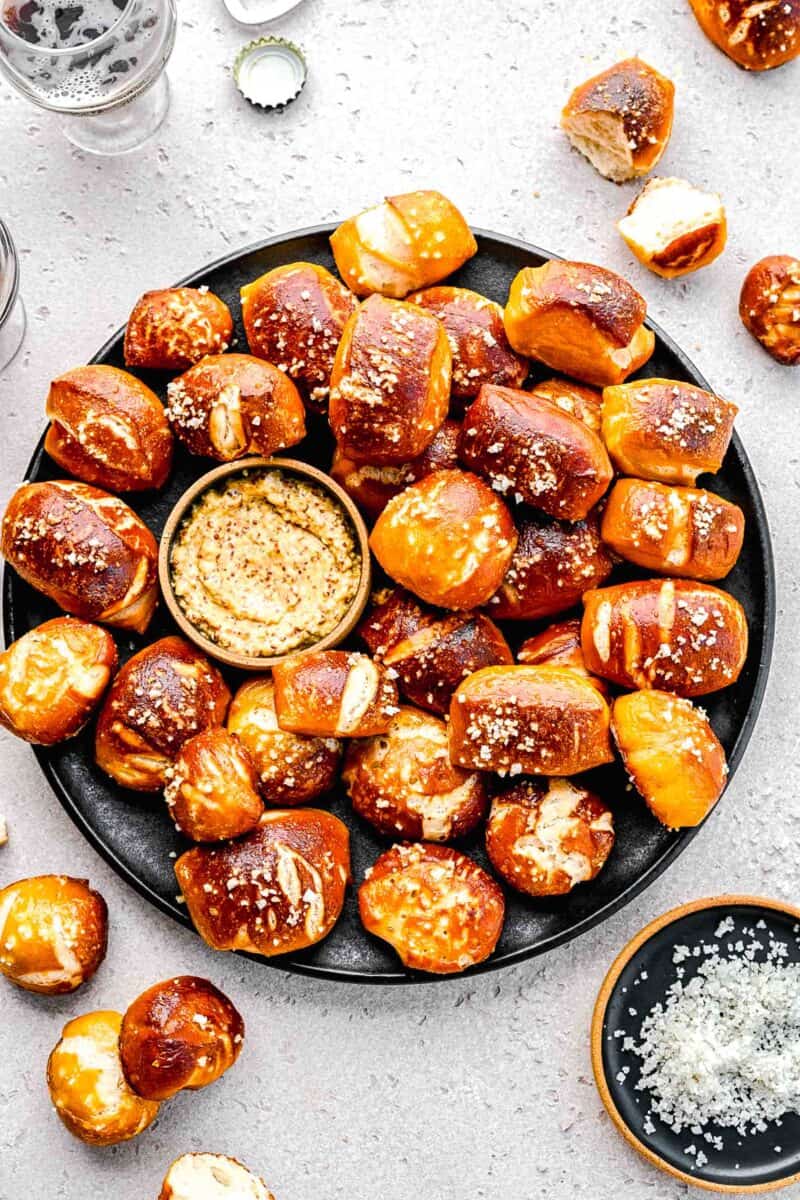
x=12, y=312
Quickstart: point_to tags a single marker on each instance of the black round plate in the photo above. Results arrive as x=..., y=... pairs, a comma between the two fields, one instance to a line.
x=134, y=834
x=757, y=1163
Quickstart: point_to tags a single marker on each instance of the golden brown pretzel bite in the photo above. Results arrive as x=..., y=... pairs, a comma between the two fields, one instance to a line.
x=372, y=487
x=53, y=933
x=212, y=1177
x=333, y=693
x=757, y=36
x=211, y=787
x=769, y=306
x=173, y=328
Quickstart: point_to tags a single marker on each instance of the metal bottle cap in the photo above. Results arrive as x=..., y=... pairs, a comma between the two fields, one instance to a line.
x=258, y=12
x=270, y=72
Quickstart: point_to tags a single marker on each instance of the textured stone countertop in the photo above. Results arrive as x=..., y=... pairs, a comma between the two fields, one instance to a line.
x=469, y=1088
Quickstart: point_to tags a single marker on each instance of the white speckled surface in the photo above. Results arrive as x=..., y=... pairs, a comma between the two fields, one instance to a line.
x=466, y=1089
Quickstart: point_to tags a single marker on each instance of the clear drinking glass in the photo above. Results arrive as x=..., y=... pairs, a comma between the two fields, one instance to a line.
x=12, y=310
x=99, y=63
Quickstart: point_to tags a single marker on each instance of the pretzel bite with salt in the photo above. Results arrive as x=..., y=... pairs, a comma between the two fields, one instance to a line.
x=666, y=430
x=53, y=933
x=108, y=429
x=276, y=890
x=559, y=646
x=529, y=720
x=87, y=1086
x=757, y=36
x=580, y=401
x=554, y=563
x=182, y=1033
x=229, y=405
x=769, y=306
x=333, y=693
x=403, y=782
x=580, y=320
x=294, y=317
x=672, y=755
x=172, y=329
x=373, y=487
x=290, y=767
x=545, y=836
x=161, y=697
x=437, y=908
x=52, y=679
x=390, y=384
x=211, y=787
x=673, y=530
x=670, y=634
x=478, y=342
x=448, y=539
x=212, y=1177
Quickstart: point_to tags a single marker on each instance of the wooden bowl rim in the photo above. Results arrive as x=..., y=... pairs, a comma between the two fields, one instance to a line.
x=252, y=662
x=598, y=1019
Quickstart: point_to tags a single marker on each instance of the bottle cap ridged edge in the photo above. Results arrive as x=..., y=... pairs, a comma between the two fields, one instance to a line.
x=247, y=51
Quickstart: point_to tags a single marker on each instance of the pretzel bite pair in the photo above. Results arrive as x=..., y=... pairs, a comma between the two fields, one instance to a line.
x=372, y=487
x=294, y=317
x=529, y=720
x=430, y=653
x=674, y=228
x=559, y=646
x=579, y=319
x=86, y=550
x=171, y=329
x=545, y=836
x=52, y=678
x=671, y=754
x=554, y=563
x=671, y=634
x=408, y=242
x=333, y=693
x=53, y=933
x=666, y=430
x=108, y=429
x=291, y=768
x=163, y=696
x=390, y=384
x=437, y=908
x=534, y=451
x=276, y=890
x=769, y=306
x=757, y=36
x=580, y=401
x=229, y=405
x=211, y=789
x=211, y=1177
x=403, y=782
x=448, y=539
x=673, y=530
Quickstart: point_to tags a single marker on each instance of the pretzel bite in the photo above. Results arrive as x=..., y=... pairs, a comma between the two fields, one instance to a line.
x=108, y=429
x=173, y=328
x=671, y=754
x=390, y=384
x=683, y=637
x=666, y=430
x=53, y=933
x=404, y=784
x=278, y=889
x=580, y=401
x=408, y=242
x=559, y=646
x=757, y=36
x=538, y=453
x=212, y=1177
x=437, y=908
x=162, y=696
x=87, y=1087
x=544, y=836
x=234, y=404
x=554, y=563
x=52, y=678
x=621, y=119
x=294, y=317
x=290, y=768
x=579, y=319
x=674, y=228
x=211, y=787
x=673, y=530
x=86, y=550
x=333, y=693
x=448, y=539
x=477, y=337
x=770, y=306
x=373, y=487
x=428, y=653
x=179, y=1034
x=531, y=720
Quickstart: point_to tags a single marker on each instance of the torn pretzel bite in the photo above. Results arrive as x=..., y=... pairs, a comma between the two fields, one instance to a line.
x=211, y=787
x=211, y=1177
x=333, y=693
x=174, y=328
x=437, y=908
x=372, y=487
x=674, y=228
